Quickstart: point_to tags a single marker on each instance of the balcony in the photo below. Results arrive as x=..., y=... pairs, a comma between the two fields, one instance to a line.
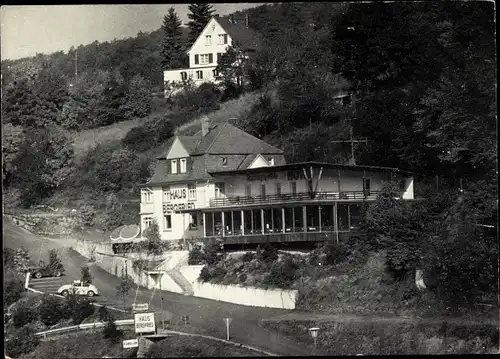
x=289, y=198
x=285, y=238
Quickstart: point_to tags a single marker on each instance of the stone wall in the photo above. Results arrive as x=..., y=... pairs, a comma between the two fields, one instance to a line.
x=44, y=224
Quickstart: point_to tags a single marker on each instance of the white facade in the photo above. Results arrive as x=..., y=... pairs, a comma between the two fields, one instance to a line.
x=203, y=56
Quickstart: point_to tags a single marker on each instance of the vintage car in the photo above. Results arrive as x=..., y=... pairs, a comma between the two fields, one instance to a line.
x=43, y=270
x=79, y=288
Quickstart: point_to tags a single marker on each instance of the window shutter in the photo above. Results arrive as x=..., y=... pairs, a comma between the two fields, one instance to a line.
x=196, y=59
x=219, y=56
x=210, y=58
x=225, y=39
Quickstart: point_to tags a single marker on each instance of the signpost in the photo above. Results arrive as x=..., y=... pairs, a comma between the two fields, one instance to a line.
x=227, y=321
x=140, y=307
x=131, y=343
x=144, y=322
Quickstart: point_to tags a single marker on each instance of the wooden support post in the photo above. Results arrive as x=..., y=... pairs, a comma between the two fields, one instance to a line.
x=338, y=179
x=223, y=221
x=263, y=226
x=317, y=181
x=304, y=217
x=242, y=223
x=335, y=222
x=283, y=219
x=319, y=217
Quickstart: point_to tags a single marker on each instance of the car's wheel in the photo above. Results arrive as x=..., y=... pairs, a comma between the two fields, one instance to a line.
x=38, y=275
x=57, y=273
x=90, y=293
x=65, y=293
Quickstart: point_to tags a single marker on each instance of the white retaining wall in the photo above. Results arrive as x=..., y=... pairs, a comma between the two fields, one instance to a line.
x=256, y=297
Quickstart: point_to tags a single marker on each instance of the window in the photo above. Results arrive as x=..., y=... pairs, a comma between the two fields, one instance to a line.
x=199, y=75
x=224, y=161
x=192, y=192
x=166, y=194
x=402, y=185
x=278, y=189
x=366, y=186
x=196, y=59
x=147, y=195
x=271, y=161
x=214, y=72
x=184, y=76
x=167, y=222
x=293, y=188
x=219, y=190
x=248, y=190
x=222, y=39
x=208, y=40
x=183, y=165
x=263, y=190
x=219, y=56
x=193, y=225
x=205, y=58
x=146, y=222
x=173, y=164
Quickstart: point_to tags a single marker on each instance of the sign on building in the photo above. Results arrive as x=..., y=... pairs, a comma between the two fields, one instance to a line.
x=140, y=307
x=144, y=322
x=131, y=343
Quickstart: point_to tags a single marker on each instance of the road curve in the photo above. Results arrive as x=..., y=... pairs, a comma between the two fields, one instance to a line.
x=205, y=316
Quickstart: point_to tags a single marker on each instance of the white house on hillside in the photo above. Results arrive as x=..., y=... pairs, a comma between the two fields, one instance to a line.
x=204, y=54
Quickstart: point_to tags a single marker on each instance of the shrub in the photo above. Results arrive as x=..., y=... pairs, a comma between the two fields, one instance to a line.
x=196, y=256
x=242, y=278
x=282, y=274
x=335, y=253
x=86, y=276
x=23, y=342
x=13, y=287
x=82, y=310
x=212, y=255
x=8, y=258
x=104, y=314
x=218, y=274
x=51, y=311
x=111, y=332
x=205, y=275
x=248, y=257
x=24, y=315
x=269, y=253
x=87, y=215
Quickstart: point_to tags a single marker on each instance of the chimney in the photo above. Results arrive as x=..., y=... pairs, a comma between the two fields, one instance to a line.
x=204, y=126
x=231, y=19
x=246, y=20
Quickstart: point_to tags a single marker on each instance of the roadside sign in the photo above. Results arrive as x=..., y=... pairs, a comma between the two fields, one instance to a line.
x=131, y=343
x=140, y=307
x=144, y=322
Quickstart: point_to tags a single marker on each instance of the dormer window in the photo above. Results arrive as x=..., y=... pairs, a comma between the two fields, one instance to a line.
x=224, y=161
x=183, y=165
x=173, y=164
x=271, y=161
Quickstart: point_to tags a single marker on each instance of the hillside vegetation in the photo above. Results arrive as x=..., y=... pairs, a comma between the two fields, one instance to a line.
x=423, y=95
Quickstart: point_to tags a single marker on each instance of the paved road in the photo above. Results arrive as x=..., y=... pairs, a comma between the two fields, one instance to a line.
x=206, y=316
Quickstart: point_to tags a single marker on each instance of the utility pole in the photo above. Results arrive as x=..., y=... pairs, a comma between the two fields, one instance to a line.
x=351, y=139
x=76, y=67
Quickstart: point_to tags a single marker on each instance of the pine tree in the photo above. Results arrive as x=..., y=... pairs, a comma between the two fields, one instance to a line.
x=200, y=15
x=172, y=50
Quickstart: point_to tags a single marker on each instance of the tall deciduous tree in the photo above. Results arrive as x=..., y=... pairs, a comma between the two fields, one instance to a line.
x=172, y=44
x=200, y=14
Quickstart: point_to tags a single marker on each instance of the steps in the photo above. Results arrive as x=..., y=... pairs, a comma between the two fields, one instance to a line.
x=178, y=278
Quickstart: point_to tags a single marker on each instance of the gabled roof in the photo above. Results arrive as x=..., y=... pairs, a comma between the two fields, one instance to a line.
x=189, y=142
x=228, y=139
x=247, y=161
x=246, y=37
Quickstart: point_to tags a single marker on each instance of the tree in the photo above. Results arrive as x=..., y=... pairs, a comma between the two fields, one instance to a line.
x=172, y=44
x=123, y=288
x=200, y=14
x=152, y=233
x=86, y=276
x=138, y=97
x=12, y=140
x=232, y=69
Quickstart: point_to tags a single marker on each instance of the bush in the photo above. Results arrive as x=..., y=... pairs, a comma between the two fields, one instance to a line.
x=51, y=311
x=13, y=287
x=335, y=253
x=111, y=332
x=248, y=257
x=82, y=310
x=205, y=275
x=24, y=315
x=196, y=256
x=242, y=278
x=211, y=251
x=282, y=274
x=23, y=342
x=104, y=314
x=86, y=276
x=269, y=253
